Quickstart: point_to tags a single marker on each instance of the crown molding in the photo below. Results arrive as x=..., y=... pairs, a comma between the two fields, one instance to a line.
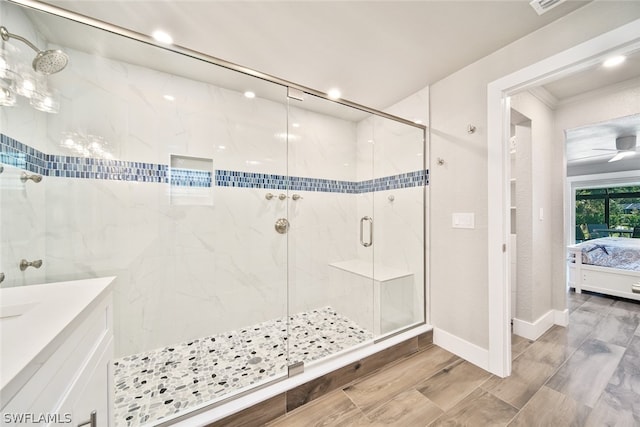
x=544, y=96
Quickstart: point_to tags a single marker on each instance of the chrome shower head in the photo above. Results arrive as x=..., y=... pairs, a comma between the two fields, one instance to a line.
x=46, y=61
x=50, y=61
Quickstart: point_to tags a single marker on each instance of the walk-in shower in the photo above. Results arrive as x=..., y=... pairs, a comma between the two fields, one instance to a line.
x=250, y=237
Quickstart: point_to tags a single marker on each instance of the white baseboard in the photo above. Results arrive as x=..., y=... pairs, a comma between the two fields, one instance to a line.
x=470, y=352
x=533, y=331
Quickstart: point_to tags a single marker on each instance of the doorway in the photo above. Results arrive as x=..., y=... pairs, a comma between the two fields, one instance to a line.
x=622, y=40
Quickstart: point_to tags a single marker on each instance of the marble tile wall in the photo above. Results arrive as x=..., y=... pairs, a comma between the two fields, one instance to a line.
x=22, y=231
x=22, y=226
x=191, y=271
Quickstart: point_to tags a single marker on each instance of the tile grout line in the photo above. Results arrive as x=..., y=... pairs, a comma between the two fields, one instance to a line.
x=356, y=405
x=564, y=363
x=382, y=403
x=547, y=380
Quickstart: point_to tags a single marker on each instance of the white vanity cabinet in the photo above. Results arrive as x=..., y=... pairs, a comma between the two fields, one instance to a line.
x=56, y=354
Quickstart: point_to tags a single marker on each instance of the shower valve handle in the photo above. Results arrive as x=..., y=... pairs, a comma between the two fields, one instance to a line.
x=34, y=177
x=282, y=225
x=24, y=264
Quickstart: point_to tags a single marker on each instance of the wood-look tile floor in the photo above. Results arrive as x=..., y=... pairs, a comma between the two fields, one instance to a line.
x=587, y=374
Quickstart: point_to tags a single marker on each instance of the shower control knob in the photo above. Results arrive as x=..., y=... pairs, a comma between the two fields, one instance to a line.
x=35, y=177
x=24, y=264
x=282, y=225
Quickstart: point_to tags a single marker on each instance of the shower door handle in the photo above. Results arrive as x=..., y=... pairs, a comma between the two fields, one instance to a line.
x=362, y=221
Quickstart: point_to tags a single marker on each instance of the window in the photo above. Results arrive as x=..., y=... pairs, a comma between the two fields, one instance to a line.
x=599, y=211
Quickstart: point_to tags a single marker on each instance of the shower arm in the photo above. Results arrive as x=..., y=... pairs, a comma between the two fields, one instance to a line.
x=6, y=35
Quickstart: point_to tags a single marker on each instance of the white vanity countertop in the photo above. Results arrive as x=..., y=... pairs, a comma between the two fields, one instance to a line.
x=36, y=319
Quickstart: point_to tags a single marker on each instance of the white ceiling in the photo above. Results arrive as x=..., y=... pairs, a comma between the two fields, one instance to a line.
x=585, y=145
x=377, y=52
x=589, y=148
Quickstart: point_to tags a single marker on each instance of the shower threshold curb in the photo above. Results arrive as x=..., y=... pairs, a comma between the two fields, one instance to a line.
x=275, y=400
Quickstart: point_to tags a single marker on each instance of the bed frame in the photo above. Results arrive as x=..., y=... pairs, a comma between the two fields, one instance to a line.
x=605, y=280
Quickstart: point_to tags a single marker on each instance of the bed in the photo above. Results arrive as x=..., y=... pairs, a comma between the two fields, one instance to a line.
x=609, y=265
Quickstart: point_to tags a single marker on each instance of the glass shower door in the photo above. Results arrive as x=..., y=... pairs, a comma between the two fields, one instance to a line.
x=169, y=173
x=330, y=259
x=399, y=192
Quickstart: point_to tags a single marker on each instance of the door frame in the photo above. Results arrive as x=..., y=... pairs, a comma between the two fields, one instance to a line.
x=580, y=57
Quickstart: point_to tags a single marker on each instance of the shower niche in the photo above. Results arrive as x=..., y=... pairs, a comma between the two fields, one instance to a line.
x=165, y=187
x=190, y=179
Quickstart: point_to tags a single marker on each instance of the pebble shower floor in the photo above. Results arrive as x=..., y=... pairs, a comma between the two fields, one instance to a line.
x=155, y=384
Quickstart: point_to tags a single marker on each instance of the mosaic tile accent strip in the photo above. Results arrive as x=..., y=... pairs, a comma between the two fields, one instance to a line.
x=119, y=170
x=325, y=185
x=294, y=183
x=190, y=178
x=153, y=385
x=393, y=182
x=225, y=178
x=14, y=153
x=281, y=182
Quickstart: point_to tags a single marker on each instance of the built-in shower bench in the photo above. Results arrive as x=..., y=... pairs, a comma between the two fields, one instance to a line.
x=378, y=297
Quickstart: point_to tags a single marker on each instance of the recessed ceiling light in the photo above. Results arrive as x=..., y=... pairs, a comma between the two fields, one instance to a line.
x=614, y=61
x=249, y=94
x=162, y=37
x=334, y=93
x=169, y=97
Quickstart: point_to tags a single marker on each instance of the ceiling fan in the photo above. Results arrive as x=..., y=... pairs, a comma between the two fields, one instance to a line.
x=625, y=147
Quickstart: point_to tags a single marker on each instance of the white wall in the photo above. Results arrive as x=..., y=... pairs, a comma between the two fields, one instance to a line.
x=539, y=222
x=460, y=295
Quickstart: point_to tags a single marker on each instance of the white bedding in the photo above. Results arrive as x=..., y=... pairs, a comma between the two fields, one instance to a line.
x=616, y=252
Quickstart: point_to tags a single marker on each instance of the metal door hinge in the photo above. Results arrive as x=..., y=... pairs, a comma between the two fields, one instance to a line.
x=295, y=93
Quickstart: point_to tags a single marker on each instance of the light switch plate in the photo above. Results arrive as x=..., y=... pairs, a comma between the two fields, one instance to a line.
x=463, y=220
